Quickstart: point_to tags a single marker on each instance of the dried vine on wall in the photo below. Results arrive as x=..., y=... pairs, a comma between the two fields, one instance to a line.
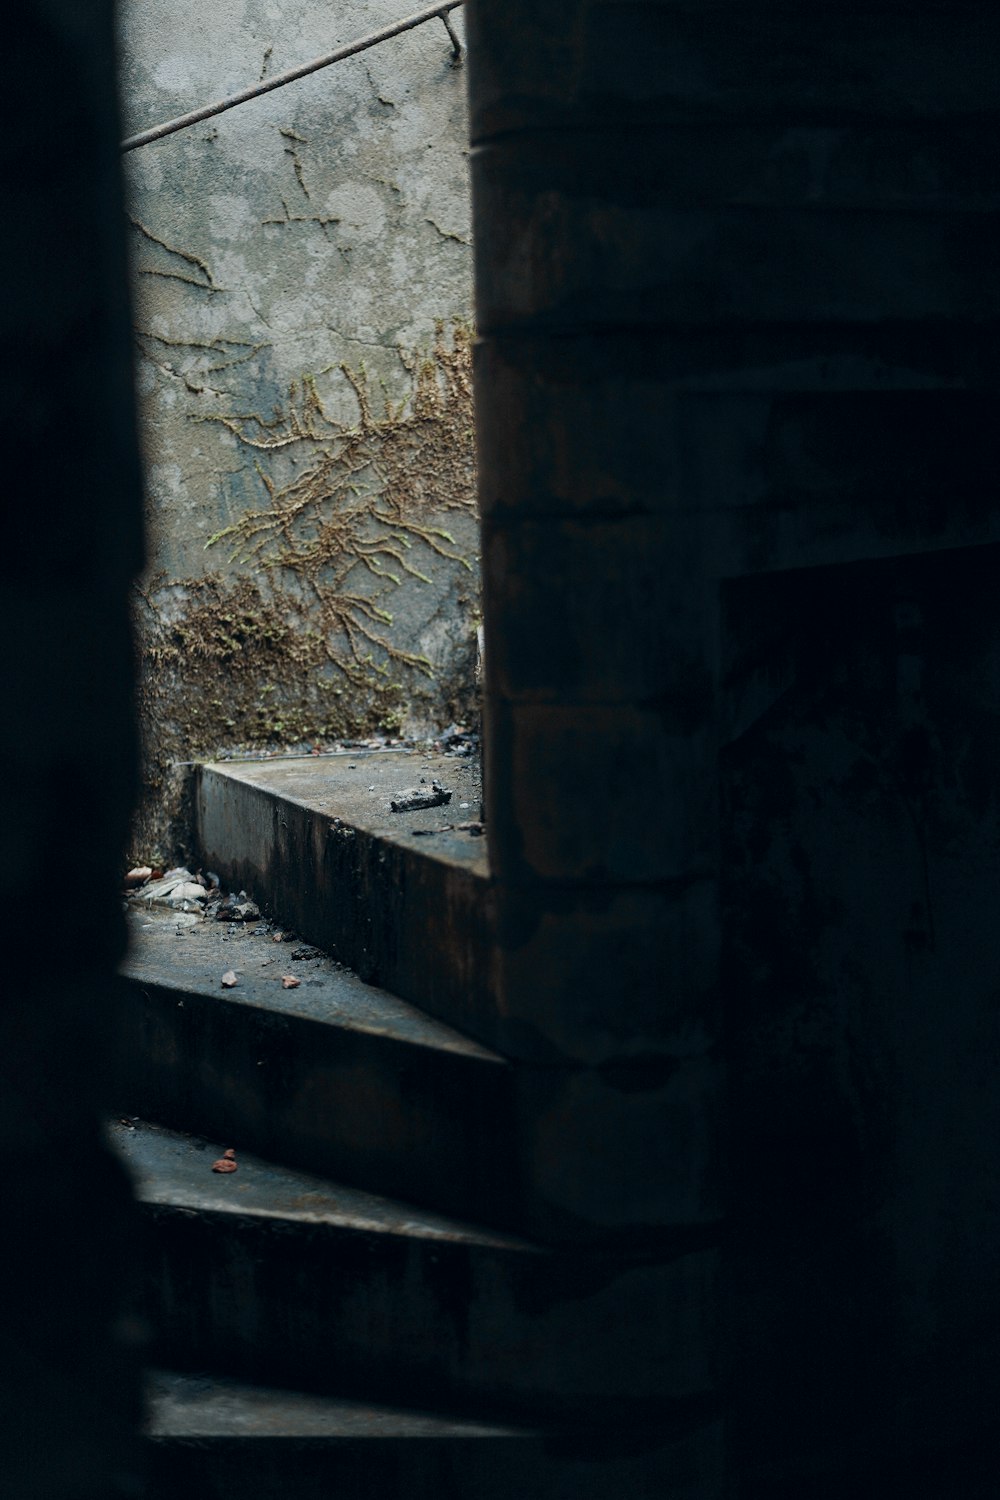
x=362, y=500
x=289, y=638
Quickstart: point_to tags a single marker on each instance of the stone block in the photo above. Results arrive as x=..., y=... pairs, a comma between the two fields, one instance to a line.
x=575, y=427
x=875, y=165
x=626, y=1151
x=601, y=611
x=781, y=478
x=534, y=66
x=598, y=975
x=598, y=794
x=600, y=250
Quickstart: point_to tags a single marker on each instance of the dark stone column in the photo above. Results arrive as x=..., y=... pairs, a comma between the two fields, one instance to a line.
x=738, y=298
x=600, y=621
x=601, y=669
x=71, y=543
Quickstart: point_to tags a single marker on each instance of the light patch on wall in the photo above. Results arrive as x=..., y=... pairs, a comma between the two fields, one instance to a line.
x=173, y=74
x=229, y=215
x=360, y=209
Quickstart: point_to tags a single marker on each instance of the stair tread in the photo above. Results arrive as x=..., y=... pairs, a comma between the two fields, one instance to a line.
x=202, y=1406
x=360, y=792
x=175, y=1170
x=193, y=958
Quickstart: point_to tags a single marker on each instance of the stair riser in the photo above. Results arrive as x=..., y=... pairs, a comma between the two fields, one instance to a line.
x=402, y=1318
x=417, y=1123
x=416, y=925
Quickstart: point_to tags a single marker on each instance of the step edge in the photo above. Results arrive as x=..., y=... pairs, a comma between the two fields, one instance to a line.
x=379, y=834
x=451, y=1040
x=189, y=1392
x=412, y=1222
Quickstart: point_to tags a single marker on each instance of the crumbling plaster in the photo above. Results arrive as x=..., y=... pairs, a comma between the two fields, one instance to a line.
x=302, y=288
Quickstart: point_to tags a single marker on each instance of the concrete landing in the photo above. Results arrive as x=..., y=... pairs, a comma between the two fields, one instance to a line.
x=335, y=1076
x=360, y=791
x=401, y=897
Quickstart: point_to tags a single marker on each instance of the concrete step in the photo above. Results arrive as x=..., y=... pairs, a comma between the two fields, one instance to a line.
x=403, y=898
x=215, y=1439
x=276, y=1276
x=334, y=1076
x=612, y=1148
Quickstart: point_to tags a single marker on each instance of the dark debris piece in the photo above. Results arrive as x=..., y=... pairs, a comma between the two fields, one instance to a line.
x=416, y=798
x=237, y=909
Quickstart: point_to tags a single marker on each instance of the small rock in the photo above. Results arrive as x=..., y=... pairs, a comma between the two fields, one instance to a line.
x=289, y=982
x=240, y=910
x=414, y=798
x=229, y=979
x=177, y=889
x=188, y=891
x=138, y=876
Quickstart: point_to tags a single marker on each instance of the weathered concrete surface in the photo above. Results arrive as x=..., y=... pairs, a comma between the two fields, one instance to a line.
x=208, y=1438
x=302, y=279
x=397, y=896
x=274, y=1275
x=335, y=1076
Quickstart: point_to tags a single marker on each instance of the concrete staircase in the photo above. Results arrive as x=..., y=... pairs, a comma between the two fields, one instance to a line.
x=378, y=1299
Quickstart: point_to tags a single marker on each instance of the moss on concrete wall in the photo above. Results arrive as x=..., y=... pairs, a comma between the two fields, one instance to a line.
x=292, y=638
x=303, y=290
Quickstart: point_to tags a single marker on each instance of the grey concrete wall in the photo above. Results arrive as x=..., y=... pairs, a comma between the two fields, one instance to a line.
x=302, y=281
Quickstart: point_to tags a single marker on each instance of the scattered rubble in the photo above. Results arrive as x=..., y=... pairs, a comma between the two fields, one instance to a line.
x=475, y=829
x=178, y=889
x=457, y=740
x=237, y=909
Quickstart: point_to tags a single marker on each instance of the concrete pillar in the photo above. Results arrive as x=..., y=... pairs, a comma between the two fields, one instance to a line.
x=71, y=543
x=737, y=306
x=600, y=666
x=600, y=620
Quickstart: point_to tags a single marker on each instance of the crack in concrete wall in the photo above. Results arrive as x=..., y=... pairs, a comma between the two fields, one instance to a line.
x=302, y=282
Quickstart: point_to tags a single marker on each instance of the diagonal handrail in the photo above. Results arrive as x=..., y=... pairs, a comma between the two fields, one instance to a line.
x=301, y=70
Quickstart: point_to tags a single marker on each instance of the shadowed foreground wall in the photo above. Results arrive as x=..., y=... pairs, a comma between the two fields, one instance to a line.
x=68, y=1393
